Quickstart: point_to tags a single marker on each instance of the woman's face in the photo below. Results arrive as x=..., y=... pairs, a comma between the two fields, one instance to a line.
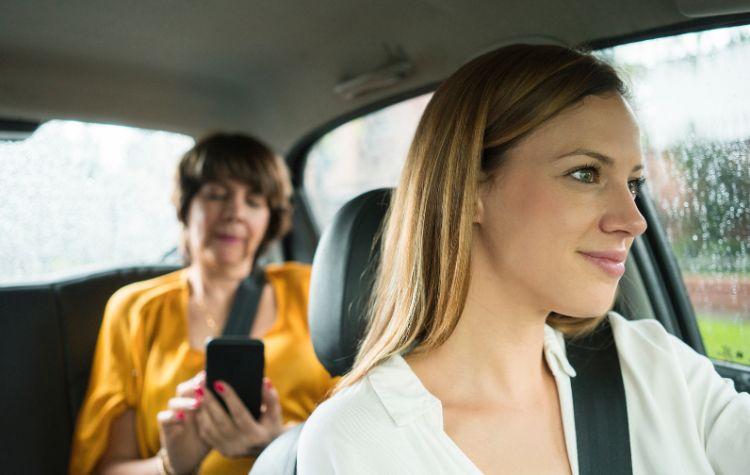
x=556, y=223
x=225, y=225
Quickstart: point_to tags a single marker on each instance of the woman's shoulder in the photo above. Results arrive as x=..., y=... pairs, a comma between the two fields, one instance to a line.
x=354, y=416
x=288, y=268
x=647, y=337
x=140, y=294
x=387, y=399
x=291, y=281
x=343, y=432
x=646, y=344
x=646, y=332
x=350, y=407
x=290, y=271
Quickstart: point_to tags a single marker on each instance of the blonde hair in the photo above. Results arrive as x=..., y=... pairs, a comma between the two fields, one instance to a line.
x=473, y=119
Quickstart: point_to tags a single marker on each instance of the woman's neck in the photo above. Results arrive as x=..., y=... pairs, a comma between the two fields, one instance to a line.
x=208, y=286
x=496, y=349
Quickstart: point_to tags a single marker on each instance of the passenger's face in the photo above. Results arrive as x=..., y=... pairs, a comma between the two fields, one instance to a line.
x=226, y=224
x=557, y=222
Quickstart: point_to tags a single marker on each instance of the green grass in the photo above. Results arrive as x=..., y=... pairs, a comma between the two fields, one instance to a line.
x=727, y=340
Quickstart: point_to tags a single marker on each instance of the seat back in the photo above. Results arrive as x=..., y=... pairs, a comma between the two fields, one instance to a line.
x=47, y=337
x=35, y=420
x=340, y=286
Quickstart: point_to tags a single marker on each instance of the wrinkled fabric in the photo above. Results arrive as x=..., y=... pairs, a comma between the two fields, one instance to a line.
x=143, y=353
x=683, y=417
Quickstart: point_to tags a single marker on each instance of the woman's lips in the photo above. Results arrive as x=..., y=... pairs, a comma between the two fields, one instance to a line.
x=611, y=262
x=228, y=239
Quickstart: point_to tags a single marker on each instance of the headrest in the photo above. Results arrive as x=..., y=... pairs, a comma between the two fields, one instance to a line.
x=342, y=279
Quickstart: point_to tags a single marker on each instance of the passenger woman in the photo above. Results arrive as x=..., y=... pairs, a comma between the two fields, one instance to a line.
x=233, y=199
x=508, y=234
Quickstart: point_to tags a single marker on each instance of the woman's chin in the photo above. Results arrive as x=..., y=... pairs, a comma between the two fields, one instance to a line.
x=590, y=306
x=230, y=263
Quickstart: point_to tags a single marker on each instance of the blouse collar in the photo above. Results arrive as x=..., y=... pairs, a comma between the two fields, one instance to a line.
x=406, y=399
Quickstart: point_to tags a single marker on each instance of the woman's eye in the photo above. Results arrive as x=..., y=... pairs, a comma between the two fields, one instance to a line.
x=214, y=194
x=586, y=175
x=636, y=185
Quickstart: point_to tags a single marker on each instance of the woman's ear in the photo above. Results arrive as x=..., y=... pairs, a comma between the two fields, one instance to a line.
x=478, y=210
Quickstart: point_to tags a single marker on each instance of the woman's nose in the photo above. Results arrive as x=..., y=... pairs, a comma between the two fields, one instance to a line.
x=233, y=206
x=623, y=215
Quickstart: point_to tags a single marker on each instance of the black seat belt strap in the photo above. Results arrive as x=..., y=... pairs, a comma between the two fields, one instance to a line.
x=245, y=305
x=601, y=415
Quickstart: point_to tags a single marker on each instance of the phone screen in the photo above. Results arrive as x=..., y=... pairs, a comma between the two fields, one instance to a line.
x=239, y=361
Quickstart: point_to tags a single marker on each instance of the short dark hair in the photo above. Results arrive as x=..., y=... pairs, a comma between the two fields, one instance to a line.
x=222, y=156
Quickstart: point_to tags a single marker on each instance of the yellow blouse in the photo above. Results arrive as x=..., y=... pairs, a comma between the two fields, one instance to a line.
x=143, y=353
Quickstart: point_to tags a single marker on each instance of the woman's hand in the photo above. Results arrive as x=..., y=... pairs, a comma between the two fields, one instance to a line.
x=178, y=430
x=238, y=433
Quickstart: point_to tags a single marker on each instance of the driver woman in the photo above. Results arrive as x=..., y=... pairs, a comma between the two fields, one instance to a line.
x=508, y=233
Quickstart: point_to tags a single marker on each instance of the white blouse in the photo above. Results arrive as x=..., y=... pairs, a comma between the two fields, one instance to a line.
x=683, y=417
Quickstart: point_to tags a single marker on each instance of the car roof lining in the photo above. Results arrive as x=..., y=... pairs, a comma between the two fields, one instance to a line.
x=266, y=68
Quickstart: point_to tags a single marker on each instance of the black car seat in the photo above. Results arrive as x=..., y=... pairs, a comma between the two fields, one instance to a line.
x=342, y=278
x=48, y=332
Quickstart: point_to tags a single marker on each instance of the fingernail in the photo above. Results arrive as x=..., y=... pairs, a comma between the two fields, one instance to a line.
x=219, y=387
x=180, y=415
x=267, y=383
x=199, y=393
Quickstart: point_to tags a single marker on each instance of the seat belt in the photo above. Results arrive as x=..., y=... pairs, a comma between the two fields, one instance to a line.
x=245, y=304
x=601, y=416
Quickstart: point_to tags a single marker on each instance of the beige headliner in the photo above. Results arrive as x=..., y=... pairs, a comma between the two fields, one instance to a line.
x=266, y=67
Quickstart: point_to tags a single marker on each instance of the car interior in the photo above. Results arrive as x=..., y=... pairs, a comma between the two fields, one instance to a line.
x=292, y=73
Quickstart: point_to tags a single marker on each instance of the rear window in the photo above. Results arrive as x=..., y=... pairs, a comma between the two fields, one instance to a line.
x=79, y=197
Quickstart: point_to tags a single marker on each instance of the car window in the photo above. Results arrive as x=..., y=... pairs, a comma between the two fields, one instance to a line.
x=361, y=155
x=691, y=95
x=78, y=197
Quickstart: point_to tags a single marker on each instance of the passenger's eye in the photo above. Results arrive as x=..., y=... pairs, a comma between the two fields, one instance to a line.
x=254, y=201
x=214, y=193
x=587, y=174
x=635, y=186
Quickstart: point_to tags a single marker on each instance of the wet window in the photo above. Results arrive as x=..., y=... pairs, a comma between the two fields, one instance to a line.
x=692, y=99
x=79, y=197
x=361, y=155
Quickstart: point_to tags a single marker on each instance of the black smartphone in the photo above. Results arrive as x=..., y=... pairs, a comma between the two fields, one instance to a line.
x=240, y=361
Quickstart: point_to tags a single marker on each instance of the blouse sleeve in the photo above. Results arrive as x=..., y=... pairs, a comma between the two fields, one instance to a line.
x=722, y=414
x=111, y=388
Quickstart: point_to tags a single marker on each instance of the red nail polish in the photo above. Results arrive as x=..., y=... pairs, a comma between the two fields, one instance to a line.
x=219, y=387
x=180, y=415
x=199, y=393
